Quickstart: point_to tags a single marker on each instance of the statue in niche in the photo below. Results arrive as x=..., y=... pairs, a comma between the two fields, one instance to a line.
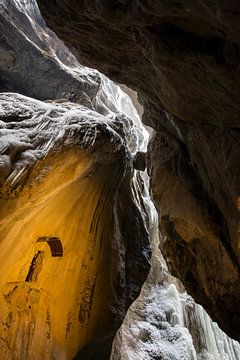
x=35, y=267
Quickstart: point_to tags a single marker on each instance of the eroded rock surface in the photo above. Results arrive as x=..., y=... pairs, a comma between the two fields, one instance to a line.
x=181, y=54
x=183, y=59
x=164, y=322
x=70, y=263
x=34, y=62
x=197, y=198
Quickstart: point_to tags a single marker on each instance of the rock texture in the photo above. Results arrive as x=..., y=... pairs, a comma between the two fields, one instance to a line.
x=64, y=227
x=34, y=62
x=164, y=322
x=68, y=207
x=183, y=59
x=201, y=237
x=181, y=51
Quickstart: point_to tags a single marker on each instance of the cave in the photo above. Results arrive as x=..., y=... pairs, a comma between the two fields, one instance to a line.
x=119, y=180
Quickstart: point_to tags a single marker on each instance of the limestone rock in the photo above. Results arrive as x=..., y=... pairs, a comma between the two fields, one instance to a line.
x=74, y=247
x=34, y=62
x=182, y=57
x=164, y=322
x=196, y=195
x=174, y=53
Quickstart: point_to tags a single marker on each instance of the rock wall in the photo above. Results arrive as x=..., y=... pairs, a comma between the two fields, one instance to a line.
x=34, y=62
x=76, y=218
x=198, y=230
x=74, y=246
x=70, y=209
x=164, y=322
x=183, y=59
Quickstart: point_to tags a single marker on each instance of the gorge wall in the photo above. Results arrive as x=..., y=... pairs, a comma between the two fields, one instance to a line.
x=78, y=225
x=67, y=208
x=68, y=201
x=182, y=57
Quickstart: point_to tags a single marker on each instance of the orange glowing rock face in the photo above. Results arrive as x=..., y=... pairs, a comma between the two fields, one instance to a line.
x=54, y=242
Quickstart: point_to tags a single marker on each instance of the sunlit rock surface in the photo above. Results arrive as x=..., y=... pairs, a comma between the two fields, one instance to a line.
x=183, y=59
x=73, y=243
x=34, y=62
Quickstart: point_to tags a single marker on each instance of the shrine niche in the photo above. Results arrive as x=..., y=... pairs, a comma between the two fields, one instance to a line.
x=54, y=244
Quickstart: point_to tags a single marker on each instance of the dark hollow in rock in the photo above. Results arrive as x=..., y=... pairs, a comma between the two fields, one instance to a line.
x=139, y=161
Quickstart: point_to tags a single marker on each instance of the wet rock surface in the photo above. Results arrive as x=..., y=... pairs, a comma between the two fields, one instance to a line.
x=183, y=59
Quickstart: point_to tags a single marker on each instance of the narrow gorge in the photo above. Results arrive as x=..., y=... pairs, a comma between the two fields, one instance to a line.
x=119, y=197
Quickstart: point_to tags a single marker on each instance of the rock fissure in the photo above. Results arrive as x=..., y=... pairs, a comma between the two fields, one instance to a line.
x=77, y=221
